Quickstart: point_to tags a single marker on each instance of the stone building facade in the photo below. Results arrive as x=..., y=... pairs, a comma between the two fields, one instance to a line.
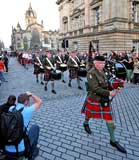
x=109, y=24
x=34, y=36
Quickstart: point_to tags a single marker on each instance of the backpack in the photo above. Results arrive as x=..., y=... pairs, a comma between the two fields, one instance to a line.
x=12, y=131
x=4, y=107
x=11, y=127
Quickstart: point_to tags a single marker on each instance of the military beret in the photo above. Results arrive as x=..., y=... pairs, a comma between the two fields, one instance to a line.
x=99, y=58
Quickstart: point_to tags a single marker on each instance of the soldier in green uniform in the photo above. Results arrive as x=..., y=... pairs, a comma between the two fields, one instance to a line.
x=38, y=68
x=73, y=69
x=97, y=103
x=48, y=64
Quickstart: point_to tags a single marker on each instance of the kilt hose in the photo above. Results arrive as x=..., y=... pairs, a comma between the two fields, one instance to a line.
x=93, y=109
x=73, y=73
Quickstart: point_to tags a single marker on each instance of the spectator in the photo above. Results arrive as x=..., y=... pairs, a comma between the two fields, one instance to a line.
x=33, y=132
x=136, y=71
x=10, y=102
x=2, y=69
x=6, y=60
x=129, y=64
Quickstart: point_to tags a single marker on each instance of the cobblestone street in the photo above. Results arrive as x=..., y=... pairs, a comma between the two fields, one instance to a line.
x=62, y=136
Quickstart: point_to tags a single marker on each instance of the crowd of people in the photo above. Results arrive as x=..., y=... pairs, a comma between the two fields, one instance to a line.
x=49, y=67
x=48, y=64
x=4, y=60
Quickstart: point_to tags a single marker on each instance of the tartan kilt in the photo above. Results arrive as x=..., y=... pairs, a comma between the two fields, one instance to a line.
x=93, y=109
x=115, y=83
x=73, y=73
x=47, y=75
x=25, y=61
x=41, y=70
x=36, y=70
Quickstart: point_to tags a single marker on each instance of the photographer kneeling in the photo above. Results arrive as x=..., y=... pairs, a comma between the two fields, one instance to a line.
x=33, y=133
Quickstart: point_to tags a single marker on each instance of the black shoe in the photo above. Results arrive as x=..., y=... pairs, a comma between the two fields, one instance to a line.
x=45, y=88
x=35, y=153
x=69, y=84
x=37, y=81
x=53, y=91
x=87, y=128
x=42, y=83
x=118, y=146
x=5, y=81
x=80, y=88
x=63, y=81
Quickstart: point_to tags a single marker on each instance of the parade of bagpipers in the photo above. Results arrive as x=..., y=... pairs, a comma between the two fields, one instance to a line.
x=69, y=80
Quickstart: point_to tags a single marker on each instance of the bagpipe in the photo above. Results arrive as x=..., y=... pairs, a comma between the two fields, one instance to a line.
x=116, y=68
x=113, y=81
x=91, y=51
x=116, y=74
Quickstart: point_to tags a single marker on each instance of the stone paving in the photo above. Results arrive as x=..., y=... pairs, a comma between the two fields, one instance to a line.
x=62, y=136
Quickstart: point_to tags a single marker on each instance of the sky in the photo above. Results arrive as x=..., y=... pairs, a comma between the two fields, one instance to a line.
x=13, y=11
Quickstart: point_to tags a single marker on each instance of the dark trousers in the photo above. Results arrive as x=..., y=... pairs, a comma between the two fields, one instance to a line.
x=136, y=78
x=33, y=135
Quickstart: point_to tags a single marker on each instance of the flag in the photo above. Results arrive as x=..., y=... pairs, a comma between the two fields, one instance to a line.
x=90, y=56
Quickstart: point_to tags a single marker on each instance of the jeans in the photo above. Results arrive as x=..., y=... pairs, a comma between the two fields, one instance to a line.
x=136, y=78
x=33, y=135
x=2, y=77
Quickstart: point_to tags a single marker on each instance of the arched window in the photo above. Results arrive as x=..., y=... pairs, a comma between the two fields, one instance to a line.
x=46, y=40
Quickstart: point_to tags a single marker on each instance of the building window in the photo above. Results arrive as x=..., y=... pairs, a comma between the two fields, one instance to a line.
x=18, y=39
x=135, y=46
x=52, y=44
x=92, y=17
x=97, y=10
x=75, y=45
x=135, y=11
x=96, y=45
x=82, y=21
x=18, y=45
x=71, y=24
x=81, y=31
x=65, y=26
x=46, y=40
x=77, y=3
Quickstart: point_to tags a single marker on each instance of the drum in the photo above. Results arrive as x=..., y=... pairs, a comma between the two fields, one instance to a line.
x=56, y=75
x=82, y=66
x=48, y=68
x=74, y=66
x=63, y=67
x=82, y=72
x=41, y=69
